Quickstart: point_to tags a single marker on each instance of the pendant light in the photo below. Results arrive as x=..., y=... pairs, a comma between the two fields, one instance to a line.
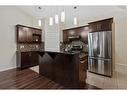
x=75, y=18
x=75, y=21
x=51, y=21
x=56, y=19
x=39, y=22
x=62, y=16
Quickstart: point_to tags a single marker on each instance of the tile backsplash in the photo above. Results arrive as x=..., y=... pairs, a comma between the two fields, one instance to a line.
x=30, y=47
x=85, y=46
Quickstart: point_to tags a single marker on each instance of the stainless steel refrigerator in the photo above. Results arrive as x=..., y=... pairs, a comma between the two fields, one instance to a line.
x=100, y=52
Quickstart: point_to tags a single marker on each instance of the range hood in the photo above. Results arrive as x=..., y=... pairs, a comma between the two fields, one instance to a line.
x=72, y=38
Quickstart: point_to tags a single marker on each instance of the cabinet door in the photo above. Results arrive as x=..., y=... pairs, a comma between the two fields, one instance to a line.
x=93, y=27
x=106, y=26
x=34, y=58
x=29, y=59
x=83, y=71
x=102, y=25
x=65, y=37
x=22, y=35
x=25, y=59
x=84, y=34
x=29, y=35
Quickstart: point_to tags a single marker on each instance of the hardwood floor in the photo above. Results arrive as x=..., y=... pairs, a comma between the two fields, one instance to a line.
x=29, y=79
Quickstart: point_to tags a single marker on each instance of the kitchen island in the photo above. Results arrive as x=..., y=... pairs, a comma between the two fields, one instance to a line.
x=64, y=68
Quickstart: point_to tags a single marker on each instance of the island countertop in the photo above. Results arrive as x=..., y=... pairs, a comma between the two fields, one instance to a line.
x=61, y=52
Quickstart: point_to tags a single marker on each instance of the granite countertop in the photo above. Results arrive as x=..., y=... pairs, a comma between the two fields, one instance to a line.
x=27, y=50
x=63, y=52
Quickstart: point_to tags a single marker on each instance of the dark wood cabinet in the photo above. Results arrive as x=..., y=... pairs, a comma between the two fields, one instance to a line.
x=97, y=26
x=34, y=58
x=102, y=25
x=21, y=34
x=82, y=32
x=27, y=59
x=36, y=38
x=83, y=69
x=65, y=36
x=28, y=42
x=27, y=34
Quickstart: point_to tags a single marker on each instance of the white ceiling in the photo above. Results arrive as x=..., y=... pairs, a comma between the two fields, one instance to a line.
x=83, y=13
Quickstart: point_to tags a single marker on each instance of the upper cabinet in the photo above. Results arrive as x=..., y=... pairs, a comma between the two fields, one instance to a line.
x=65, y=36
x=102, y=25
x=27, y=34
x=74, y=33
x=82, y=32
x=21, y=34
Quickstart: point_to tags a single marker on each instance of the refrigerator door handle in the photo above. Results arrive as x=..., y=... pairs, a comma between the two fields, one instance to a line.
x=99, y=58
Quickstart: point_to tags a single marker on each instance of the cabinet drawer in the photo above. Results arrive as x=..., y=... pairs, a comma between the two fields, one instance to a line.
x=27, y=59
x=34, y=58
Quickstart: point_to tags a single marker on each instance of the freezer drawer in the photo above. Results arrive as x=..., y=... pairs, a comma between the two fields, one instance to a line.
x=100, y=66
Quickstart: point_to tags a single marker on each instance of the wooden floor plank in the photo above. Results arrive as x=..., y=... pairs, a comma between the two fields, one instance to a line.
x=29, y=79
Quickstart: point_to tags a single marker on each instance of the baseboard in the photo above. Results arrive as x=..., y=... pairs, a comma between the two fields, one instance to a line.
x=121, y=67
x=7, y=69
x=119, y=64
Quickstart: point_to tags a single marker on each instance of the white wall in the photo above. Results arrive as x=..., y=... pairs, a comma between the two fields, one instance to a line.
x=52, y=36
x=9, y=17
x=121, y=41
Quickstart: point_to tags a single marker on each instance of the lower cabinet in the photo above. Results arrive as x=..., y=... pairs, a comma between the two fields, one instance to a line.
x=27, y=59
x=83, y=71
